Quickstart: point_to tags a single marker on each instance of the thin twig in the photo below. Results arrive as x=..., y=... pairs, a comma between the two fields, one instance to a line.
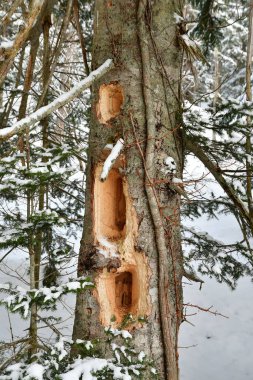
x=207, y=310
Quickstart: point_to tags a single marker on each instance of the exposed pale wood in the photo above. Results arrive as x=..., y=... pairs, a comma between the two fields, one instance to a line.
x=110, y=101
x=108, y=224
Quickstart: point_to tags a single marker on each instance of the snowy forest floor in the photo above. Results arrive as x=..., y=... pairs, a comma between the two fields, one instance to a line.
x=222, y=347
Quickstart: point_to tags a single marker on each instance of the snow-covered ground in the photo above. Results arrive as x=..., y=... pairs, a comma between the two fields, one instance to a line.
x=218, y=348
x=222, y=348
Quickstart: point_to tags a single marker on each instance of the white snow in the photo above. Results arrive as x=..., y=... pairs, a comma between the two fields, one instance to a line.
x=8, y=159
x=74, y=285
x=141, y=356
x=39, y=170
x=5, y=286
x=178, y=18
x=106, y=247
x=169, y=165
x=15, y=371
x=35, y=371
x=83, y=369
x=115, y=152
x=218, y=348
x=88, y=345
x=6, y=44
x=177, y=180
x=115, y=332
x=108, y=146
x=170, y=162
x=126, y=334
x=188, y=40
x=59, y=346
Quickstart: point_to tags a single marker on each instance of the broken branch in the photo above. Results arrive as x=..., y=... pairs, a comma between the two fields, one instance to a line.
x=111, y=159
x=63, y=99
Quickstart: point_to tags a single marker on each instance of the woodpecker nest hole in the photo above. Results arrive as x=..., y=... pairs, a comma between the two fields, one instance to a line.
x=110, y=102
x=124, y=290
x=110, y=206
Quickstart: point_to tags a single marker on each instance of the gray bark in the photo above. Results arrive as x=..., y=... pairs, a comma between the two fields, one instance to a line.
x=149, y=123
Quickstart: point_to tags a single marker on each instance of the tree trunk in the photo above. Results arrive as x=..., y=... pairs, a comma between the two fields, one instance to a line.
x=131, y=238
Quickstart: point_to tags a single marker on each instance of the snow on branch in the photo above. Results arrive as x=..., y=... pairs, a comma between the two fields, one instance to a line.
x=124, y=363
x=111, y=159
x=20, y=300
x=63, y=99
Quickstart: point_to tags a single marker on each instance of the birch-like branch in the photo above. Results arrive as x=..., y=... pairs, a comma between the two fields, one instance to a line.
x=63, y=99
x=111, y=159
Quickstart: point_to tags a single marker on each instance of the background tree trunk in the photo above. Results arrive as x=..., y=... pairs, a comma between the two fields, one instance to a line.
x=139, y=101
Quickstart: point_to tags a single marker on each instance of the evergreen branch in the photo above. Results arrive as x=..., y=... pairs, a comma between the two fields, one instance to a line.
x=21, y=300
x=201, y=155
x=14, y=358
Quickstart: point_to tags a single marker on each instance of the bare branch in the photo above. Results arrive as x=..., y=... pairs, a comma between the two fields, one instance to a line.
x=57, y=52
x=7, y=345
x=15, y=357
x=80, y=35
x=202, y=156
x=207, y=310
x=20, y=40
